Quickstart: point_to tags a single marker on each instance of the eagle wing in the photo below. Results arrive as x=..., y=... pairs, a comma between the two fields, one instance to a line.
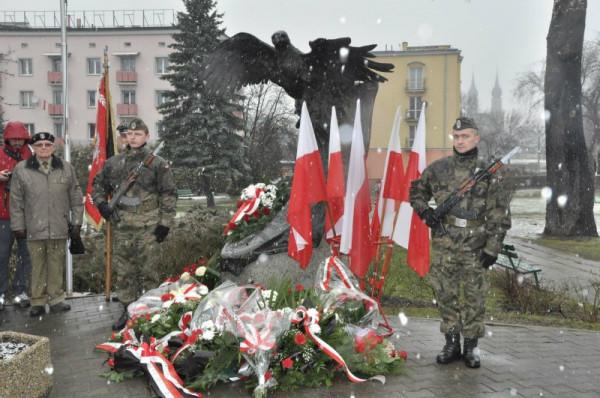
x=238, y=61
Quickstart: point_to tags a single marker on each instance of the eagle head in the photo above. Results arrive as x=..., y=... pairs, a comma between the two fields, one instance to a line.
x=280, y=39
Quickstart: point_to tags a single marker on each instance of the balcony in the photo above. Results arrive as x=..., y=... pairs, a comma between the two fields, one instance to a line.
x=55, y=109
x=54, y=78
x=126, y=77
x=127, y=109
x=415, y=86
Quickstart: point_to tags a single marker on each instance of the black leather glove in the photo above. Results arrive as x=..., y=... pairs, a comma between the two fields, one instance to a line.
x=76, y=245
x=20, y=234
x=430, y=218
x=486, y=260
x=105, y=210
x=161, y=233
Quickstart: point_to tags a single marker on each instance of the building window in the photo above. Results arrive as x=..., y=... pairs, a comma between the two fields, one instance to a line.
x=25, y=66
x=94, y=66
x=57, y=97
x=414, y=107
x=26, y=99
x=30, y=127
x=128, y=97
x=161, y=43
x=127, y=44
x=411, y=135
x=24, y=45
x=128, y=64
x=161, y=64
x=56, y=64
x=58, y=130
x=415, y=78
x=91, y=98
x=160, y=97
x=57, y=45
x=92, y=45
x=91, y=130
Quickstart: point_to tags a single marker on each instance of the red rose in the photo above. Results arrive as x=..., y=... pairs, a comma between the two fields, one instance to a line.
x=202, y=261
x=300, y=338
x=287, y=363
x=256, y=215
x=231, y=225
x=268, y=375
x=111, y=362
x=299, y=287
x=246, y=217
x=167, y=297
x=266, y=211
x=403, y=355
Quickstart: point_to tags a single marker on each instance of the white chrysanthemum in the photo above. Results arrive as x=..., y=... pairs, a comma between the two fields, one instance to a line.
x=269, y=294
x=312, y=313
x=185, y=276
x=155, y=318
x=200, y=271
x=207, y=325
x=203, y=290
x=208, y=335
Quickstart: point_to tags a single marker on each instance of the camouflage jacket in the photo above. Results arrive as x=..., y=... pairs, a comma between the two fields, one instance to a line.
x=486, y=206
x=154, y=190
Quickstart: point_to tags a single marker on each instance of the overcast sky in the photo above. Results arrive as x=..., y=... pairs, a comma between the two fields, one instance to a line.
x=504, y=36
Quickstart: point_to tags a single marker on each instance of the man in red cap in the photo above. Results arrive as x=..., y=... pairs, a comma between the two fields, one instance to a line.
x=14, y=150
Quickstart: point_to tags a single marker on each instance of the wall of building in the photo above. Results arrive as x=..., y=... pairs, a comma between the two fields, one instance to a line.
x=441, y=91
x=41, y=45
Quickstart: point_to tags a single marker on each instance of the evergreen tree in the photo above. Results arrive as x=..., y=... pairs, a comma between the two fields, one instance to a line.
x=201, y=131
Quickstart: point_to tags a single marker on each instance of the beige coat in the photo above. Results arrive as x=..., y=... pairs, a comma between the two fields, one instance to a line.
x=40, y=203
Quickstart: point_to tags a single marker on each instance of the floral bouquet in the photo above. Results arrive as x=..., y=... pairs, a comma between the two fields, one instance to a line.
x=255, y=201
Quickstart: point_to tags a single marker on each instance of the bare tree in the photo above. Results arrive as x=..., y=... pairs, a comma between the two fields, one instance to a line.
x=570, y=211
x=268, y=115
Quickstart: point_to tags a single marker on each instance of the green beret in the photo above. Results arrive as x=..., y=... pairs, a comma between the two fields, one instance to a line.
x=137, y=124
x=463, y=123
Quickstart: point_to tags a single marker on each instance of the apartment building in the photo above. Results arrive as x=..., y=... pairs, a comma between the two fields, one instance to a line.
x=421, y=73
x=31, y=87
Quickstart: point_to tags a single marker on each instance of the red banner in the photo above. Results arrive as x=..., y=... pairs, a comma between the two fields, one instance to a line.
x=104, y=147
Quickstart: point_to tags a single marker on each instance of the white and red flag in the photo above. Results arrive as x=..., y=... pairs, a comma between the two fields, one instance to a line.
x=104, y=146
x=356, y=231
x=308, y=188
x=410, y=231
x=390, y=192
x=335, y=182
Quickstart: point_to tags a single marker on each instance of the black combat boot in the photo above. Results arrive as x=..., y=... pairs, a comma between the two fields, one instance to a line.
x=471, y=359
x=451, y=351
x=122, y=321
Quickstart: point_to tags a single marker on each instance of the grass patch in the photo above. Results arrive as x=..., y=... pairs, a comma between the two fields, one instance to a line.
x=510, y=299
x=588, y=248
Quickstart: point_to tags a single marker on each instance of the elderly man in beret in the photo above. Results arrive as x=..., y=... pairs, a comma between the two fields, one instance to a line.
x=146, y=214
x=468, y=244
x=46, y=208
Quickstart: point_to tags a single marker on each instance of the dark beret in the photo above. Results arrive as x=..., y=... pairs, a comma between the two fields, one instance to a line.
x=137, y=124
x=42, y=136
x=463, y=123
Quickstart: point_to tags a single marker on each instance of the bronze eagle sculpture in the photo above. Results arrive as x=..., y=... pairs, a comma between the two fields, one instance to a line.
x=333, y=73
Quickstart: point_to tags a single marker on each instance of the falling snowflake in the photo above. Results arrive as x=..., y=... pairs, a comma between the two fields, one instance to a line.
x=403, y=319
x=49, y=370
x=561, y=368
x=489, y=333
x=513, y=392
x=263, y=258
x=546, y=193
x=342, y=20
x=561, y=201
x=378, y=21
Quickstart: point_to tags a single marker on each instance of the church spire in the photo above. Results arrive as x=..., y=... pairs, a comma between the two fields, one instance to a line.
x=471, y=106
x=497, y=98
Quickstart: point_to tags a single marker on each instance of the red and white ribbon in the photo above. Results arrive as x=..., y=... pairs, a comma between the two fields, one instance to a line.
x=333, y=263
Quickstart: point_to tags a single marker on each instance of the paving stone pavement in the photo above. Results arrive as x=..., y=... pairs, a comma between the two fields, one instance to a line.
x=517, y=361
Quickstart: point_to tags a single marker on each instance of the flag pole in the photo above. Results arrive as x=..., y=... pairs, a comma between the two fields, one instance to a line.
x=108, y=225
x=65, y=119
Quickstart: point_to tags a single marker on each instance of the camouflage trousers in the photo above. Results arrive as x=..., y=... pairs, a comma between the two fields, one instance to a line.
x=460, y=286
x=47, y=271
x=134, y=261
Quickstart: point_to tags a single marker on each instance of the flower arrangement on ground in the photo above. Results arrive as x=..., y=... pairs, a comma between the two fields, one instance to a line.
x=285, y=337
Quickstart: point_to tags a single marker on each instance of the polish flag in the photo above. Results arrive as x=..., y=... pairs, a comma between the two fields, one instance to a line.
x=308, y=188
x=410, y=231
x=390, y=192
x=356, y=233
x=335, y=181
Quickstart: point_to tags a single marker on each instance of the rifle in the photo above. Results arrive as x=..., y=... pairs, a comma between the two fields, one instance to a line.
x=455, y=197
x=130, y=180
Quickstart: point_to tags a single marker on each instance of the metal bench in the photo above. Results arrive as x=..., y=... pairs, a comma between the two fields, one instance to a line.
x=509, y=259
x=184, y=193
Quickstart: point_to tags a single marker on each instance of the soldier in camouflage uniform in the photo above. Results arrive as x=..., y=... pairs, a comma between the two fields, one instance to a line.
x=146, y=214
x=475, y=229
